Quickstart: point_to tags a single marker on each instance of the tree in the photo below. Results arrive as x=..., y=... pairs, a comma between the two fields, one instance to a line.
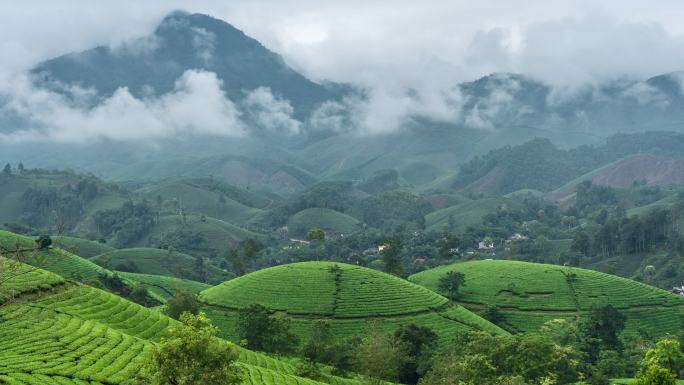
x=321, y=346
x=560, y=331
x=494, y=315
x=666, y=354
x=452, y=369
x=450, y=284
x=481, y=358
x=7, y=170
x=601, y=330
x=605, y=323
x=43, y=242
x=192, y=355
x=182, y=302
x=258, y=329
x=391, y=256
x=655, y=375
x=316, y=235
x=380, y=356
x=421, y=343
x=581, y=243
x=448, y=246
x=21, y=168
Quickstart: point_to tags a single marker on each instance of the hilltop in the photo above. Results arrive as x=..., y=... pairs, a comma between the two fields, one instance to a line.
x=350, y=296
x=159, y=262
x=529, y=294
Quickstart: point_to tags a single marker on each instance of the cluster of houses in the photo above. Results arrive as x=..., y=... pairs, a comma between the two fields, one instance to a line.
x=487, y=244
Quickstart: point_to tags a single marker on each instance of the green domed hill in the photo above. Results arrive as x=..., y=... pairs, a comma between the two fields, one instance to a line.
x=329, y=220
x=529, y=294
x=59, y=332
x=350, y=296
x=53, y=259
x=145, y=260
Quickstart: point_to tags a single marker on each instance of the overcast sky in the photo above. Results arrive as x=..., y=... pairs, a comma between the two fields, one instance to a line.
x=386, y=46
x=402, y=42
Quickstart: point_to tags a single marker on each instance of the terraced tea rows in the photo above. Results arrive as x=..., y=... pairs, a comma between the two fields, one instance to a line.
x=349, y=296
x=23, y=278
x=55, y=260
x=36, y=341
x=162, y=287
x=82, y=247
x=79, y=335
x=529, y=294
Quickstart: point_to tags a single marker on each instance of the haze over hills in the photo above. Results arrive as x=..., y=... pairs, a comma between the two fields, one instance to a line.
x=301, y=129
x=186, y=204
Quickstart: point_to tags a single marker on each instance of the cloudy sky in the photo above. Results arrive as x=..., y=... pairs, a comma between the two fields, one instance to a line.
x=387, y=46
x=394, y=41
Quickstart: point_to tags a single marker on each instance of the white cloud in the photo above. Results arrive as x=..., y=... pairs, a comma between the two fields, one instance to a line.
x=196, y=106
x=408, y=54
x=204, y=43
x=646, y=94
x=271, y=113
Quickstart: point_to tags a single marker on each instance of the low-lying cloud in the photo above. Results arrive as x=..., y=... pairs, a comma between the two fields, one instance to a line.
x=197, y=105
x=408, y=55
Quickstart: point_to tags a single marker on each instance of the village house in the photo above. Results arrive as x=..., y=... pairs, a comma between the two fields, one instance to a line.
x=486, y=245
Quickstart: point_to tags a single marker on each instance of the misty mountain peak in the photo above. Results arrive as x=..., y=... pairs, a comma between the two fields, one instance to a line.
x=181, y=42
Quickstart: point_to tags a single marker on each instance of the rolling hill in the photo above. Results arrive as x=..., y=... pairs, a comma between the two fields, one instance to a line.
x=194, y=199
x=333, y=222
x=72, y=334
x=55, y=260
x=217, y=235
x=468, y=213
x=350, y=296
x=623, y=173
x=530, y=294
x=81, y=247
x=162, y=287
x=155, y=262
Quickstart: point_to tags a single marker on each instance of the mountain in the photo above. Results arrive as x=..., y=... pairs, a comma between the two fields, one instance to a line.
x=624, y=159
x=298, y=131
x=183, y=41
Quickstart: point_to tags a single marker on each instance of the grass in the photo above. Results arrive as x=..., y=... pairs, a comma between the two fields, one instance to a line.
x=20, y=278
x=198, y=199
x=152, y=261
x=54, y=259
x=350, y=296
x=219, y=234
x=78, y=335
x=530, y=294
x=163, y=287
x=81, y=247
x=466, y=214
x=329, y=220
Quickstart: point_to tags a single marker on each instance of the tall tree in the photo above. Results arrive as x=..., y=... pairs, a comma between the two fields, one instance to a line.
x=263, y=331
x=451, y=283
x=192, y=355
x=391, y=256
x=315, y=235
x=380, y=356
x=182, y=301
x=421, y=343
